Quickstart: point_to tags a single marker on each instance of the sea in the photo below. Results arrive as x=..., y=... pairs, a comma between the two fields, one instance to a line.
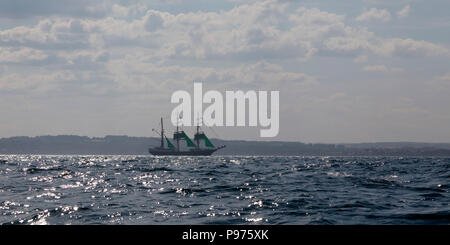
x=225, y=190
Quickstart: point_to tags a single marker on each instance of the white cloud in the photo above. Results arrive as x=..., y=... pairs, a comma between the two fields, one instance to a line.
x=153, y=21
x=133, y=76
x=408, y=48
x=404, y=12
x=381, y=68
x=119, y=11
x=374, y=14
x=137, y=55
x=262, y=30
x=20, y=55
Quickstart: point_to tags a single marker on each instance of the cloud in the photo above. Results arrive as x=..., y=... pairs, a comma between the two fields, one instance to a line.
x=404, y=12
x=381, y=68
x=48, y=34
x=153, y=21
x=127, y=52
x=132, y=76
x=261, y=30
x=21, y=55
x=408, y=48
x=374, y=14
x=119, y=11
x=144, y=54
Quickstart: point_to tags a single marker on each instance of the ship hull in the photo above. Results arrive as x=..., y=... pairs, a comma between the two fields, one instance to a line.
x=157, y=151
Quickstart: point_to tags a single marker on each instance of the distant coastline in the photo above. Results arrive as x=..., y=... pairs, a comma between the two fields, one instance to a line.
x=125, y=145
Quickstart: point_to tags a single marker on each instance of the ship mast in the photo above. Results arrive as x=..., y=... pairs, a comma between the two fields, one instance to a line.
x=162, y=133
x=178, y=139
x=198, y=128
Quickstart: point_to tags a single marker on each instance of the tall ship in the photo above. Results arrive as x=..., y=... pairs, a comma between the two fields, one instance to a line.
x=167, y=148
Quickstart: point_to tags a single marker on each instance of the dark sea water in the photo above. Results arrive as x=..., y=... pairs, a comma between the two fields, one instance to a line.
x=223, y=190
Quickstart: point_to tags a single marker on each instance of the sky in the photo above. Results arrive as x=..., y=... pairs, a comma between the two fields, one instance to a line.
x=347, y=71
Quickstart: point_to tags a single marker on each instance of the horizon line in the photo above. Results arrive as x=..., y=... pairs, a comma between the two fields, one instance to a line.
x=253, y=140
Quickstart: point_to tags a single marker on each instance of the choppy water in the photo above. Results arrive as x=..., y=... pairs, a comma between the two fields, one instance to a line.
x=223, y=190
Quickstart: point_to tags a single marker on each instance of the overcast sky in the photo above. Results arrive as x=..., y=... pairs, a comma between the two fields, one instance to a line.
x=347, y=71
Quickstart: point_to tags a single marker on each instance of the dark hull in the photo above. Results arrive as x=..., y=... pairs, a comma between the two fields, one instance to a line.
x=157, y=151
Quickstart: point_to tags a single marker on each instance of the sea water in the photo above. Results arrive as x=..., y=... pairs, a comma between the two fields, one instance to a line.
x=120, y=189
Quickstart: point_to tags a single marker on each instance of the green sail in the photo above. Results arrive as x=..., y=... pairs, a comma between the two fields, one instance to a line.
x=169, y=144
x=202, y=136
x=207, y=142
x=178, y=135
x=182, y=135
x=188, y=141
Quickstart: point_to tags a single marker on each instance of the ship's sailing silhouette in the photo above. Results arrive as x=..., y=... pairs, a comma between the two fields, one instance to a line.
x=167, y=148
